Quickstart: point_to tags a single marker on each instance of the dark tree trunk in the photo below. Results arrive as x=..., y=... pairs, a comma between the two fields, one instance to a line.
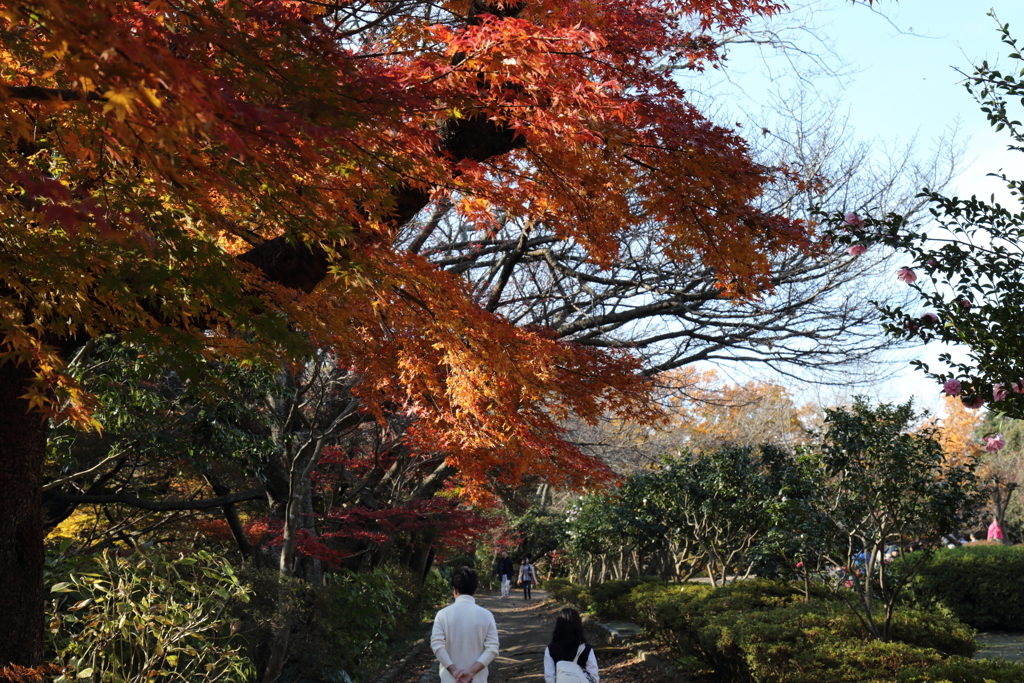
x=22, y=449
x=423, y=556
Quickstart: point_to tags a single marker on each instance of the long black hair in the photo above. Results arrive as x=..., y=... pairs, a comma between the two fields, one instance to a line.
x=568, y=635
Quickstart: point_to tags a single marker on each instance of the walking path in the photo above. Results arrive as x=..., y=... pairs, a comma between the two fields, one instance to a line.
x=1001, y=646
x=524, y=630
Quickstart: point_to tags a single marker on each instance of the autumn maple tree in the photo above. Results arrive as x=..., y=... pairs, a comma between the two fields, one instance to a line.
x=228, y=179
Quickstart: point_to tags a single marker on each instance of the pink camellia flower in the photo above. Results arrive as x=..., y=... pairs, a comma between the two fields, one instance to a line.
x=932, y=262
x=1018, y=387
x=974, y=402
x=849, y=584
x=799, y=564
x=907, y=275
x=951, y=387
x=965, y=303
x=994, y=443
x=998, y=393
x=856, y=250
x=930, y=318
x=854, y=221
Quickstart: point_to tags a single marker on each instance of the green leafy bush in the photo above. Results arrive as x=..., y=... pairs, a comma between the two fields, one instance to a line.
x=564, y=590
x=344, y=628
x=146, y=618
x=764, y=631
x=610, y=600
x=980, y=585
x=964, y=670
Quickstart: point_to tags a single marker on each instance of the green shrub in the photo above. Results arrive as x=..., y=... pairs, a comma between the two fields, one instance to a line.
x=346, y=627
x=554, y=586
x=964, y=670
x=564, y=590
x=146, y=618
x=979, y=584
x=610, y=600
x=764, y=631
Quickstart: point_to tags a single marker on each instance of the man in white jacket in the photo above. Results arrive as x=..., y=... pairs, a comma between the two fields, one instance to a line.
x=465, y=637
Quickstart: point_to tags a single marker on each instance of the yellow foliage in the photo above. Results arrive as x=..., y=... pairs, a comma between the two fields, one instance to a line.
x=75, y=527
x=955, y=431
x=704, y=411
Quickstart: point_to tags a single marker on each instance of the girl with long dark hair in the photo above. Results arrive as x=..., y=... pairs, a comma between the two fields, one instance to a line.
x=569, y=644
x=527, y=577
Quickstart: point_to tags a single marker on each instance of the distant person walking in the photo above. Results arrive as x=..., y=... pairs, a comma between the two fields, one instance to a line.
x=568, y=644
x=527, y=577
x=504, y=570
x=464, y=638
x=994, y=532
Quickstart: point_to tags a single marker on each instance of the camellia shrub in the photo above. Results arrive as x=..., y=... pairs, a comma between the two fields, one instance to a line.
x=610, y=600
x=980, y=585
x=564, y=590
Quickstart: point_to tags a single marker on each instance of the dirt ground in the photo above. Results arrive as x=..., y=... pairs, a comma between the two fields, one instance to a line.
x=524, y=630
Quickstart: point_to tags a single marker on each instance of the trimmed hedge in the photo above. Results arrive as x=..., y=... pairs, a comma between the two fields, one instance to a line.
x=764, y=632
x=564, y=590
x=980, y=585
x=608, y=600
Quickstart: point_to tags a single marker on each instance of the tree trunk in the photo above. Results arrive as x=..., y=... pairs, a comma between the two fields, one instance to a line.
x=22, y=450
x=423, y=556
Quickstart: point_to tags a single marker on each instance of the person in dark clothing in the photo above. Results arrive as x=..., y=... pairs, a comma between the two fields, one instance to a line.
x=504, y=570
x=568, y=643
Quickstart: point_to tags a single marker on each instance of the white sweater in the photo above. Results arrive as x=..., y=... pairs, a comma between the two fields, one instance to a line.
x=464, y=633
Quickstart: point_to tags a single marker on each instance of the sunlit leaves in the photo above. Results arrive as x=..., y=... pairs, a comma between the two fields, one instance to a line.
x=149, y=145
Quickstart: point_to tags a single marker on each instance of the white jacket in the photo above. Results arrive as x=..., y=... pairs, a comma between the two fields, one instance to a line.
x=464, y=633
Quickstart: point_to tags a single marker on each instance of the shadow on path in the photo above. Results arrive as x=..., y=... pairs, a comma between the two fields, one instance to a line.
x=524, y=630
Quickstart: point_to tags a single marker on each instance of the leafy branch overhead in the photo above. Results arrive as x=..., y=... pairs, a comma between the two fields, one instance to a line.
x=966, y=266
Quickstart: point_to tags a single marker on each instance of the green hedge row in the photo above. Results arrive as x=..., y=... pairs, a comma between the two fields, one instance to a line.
x=980, y=585
x=608, y=600
x=762, y=631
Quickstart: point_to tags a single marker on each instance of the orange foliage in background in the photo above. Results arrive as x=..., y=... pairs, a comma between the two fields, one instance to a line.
x=956, y=432
x=705, y=411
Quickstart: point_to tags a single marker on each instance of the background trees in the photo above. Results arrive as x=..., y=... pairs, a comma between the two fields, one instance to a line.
x=883, y=486
x=870, y=484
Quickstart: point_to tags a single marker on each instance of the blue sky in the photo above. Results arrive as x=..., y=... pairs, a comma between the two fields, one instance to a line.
x=906, y=80
x=907, y=83
x=891, y=69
